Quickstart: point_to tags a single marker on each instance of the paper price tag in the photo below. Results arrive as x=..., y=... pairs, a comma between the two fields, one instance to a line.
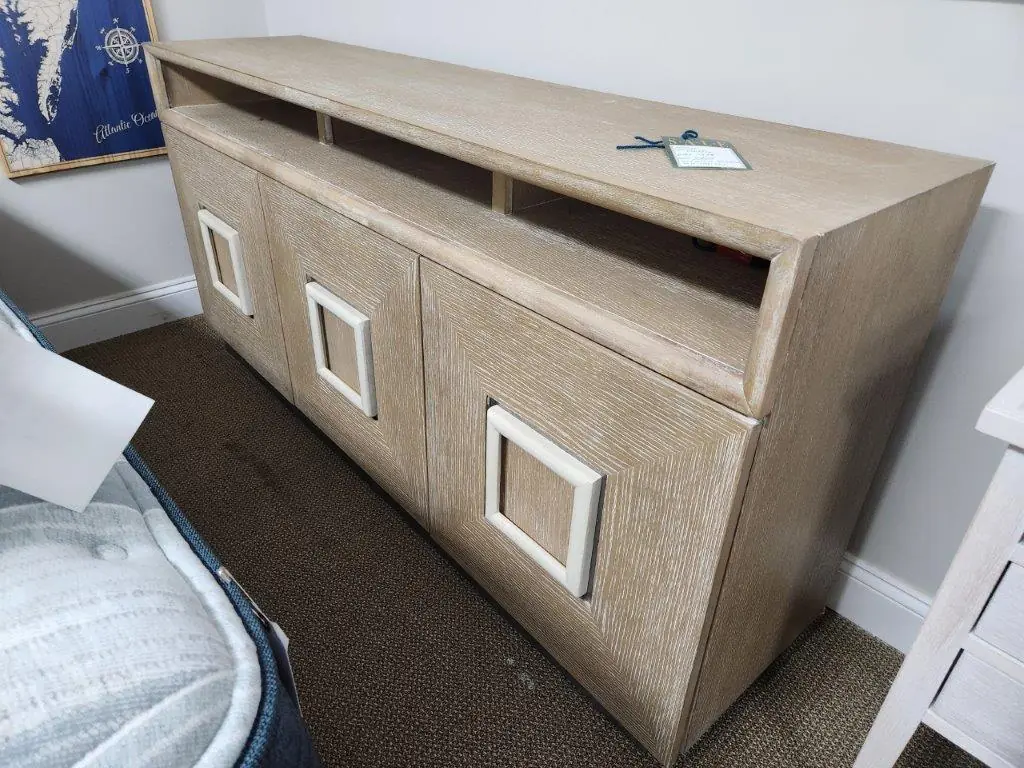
x=278, y=639
x=704, y=154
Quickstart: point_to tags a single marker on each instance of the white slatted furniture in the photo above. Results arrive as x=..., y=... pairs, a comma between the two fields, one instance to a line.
x=964, y=675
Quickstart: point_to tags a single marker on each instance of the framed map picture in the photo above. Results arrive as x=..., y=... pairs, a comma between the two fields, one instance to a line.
x=73, y=84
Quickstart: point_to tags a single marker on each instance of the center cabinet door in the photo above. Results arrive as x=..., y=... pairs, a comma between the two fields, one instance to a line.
x=592, y=498
x=350, y=312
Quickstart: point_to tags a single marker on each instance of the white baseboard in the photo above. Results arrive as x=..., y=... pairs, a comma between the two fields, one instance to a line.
x=878, y=602
x=110, y=316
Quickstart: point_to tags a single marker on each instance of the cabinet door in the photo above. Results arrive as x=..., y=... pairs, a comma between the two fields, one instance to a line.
x=220, y=207
x=592, y=498
x=350, y=303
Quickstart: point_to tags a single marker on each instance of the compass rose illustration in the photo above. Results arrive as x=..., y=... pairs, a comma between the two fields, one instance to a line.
x=120, y=44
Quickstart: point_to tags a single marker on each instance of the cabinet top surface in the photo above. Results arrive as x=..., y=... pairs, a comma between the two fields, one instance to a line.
x=803, y=182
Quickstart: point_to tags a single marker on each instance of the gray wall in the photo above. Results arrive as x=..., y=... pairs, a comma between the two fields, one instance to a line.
x=75, y=236
x=945, y=74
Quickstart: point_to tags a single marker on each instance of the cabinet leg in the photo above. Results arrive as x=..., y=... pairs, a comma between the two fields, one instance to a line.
x=890, y=732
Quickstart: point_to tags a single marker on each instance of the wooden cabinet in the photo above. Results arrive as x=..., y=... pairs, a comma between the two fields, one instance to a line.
x=672, y=466
x=227, y=237
x=350, y=304
x=642, y=406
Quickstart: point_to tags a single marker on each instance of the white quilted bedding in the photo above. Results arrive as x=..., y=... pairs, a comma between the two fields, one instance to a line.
x=117, y=646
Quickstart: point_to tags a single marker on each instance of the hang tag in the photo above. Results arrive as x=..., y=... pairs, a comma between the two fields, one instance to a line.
x=278, y=639
x=279, y=645
x=704, y=154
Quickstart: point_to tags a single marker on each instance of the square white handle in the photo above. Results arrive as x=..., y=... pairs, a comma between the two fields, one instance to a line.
x=586, y=483
x=318, y=297
x=208, y=224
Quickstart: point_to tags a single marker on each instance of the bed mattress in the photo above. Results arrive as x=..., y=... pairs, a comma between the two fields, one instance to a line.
x=125, y=642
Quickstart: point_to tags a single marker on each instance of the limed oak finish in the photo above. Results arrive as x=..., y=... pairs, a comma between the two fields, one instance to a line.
x=229, y=190
x=674, y=465
x=651, y=453
x=380, y=279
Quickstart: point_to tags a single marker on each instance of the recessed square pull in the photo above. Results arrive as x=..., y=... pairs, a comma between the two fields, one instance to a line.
x=223, y=247
x=585, y=484
x=341, y=347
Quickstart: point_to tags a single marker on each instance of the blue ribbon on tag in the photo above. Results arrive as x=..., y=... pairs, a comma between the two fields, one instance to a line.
x=688, y=135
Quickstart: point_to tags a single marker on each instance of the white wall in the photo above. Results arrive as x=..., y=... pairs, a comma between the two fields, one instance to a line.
x=75, y=236
x=942, y=74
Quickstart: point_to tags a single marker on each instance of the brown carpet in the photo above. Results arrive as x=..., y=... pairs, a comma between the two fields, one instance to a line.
x=401, y=660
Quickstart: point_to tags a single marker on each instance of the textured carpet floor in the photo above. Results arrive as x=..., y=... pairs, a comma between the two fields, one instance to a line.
x=401, y=660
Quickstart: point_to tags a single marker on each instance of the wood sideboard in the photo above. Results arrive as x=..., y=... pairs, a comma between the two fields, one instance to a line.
x=652, y=454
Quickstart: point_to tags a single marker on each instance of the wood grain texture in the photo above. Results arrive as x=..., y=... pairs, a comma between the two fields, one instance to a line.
x=185, y=87
x=965, y=742
x=869, y=302
x=688, y=605
x=537, y=500
x=84, y=162
x=155, y=71
x=380, y=279
x=324, y=128
x=642, y=290
x=776, y=320
x=674, y=465
x=222, y=255
x=990, y=540
x=349, y=133
x=147, y=8
x=340, y=343
x=206, y=179
x=986, y=705
x=1001, y=661
x=804, y=183
x=1002, y=623
x=510, y=195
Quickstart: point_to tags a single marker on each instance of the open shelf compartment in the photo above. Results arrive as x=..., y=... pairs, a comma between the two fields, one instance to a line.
x=705, y=319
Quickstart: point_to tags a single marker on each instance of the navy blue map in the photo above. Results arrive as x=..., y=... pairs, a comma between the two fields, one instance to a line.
x=73, y=82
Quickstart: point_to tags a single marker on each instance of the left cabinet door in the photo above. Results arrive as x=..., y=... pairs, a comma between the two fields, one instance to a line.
x=227, y=237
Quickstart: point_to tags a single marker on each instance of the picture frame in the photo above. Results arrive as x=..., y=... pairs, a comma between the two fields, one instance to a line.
x=74, y=91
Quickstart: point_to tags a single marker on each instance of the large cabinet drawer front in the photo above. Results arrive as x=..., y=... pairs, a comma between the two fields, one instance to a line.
x=529, y=420
x=218, y=197
x=350, y=305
